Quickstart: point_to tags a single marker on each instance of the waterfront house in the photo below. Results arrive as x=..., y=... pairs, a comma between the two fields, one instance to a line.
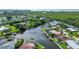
x=28, y=45
x=73, y=32
x=59, y=35
x=71, y=29
x=72, y=44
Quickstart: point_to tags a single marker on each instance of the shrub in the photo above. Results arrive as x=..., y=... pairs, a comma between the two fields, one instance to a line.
x=18, y=43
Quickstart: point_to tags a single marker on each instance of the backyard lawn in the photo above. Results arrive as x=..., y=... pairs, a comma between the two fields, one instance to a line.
x=63, y=45
x=1, y=33
x=14, y=29
x=54, y=39
x=39, y=46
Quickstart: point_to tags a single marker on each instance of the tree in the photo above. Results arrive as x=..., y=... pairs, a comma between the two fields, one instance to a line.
x=18, y=43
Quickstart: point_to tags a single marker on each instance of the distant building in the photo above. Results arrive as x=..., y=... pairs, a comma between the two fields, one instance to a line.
x=19, y=36
x=54, y=23
x=13, y=19
x=4, y=19
x=43, y=18
x=1, y=12
x=0, y=19
x=44, y=12
x=35, y=16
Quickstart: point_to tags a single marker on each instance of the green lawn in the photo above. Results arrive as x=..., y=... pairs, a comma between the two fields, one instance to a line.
x=14, y=29
x=1, y=34
x=63, y=45
x=39, y=46
x=43, y=29
x=54, y=39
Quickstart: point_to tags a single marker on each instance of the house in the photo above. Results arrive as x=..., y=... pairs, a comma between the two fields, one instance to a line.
x=70, y=26
x=71, y=29
x=44, y=12
x=28, y=45
x=0, y=19
x=59, y=35
x=72, y=44
x=1, y=12
x=14, y=19
x=35, y=16
x=3, y=28
x=4, y=19
x=73, y=32
x=54, y=23
x=18, y=36
x=43, y=18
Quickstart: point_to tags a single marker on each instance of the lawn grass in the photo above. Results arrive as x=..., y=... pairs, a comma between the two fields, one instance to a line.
x=43, y=29
x=1, y=34
x=54, y=39
x=14, y=29
x=63, y=45
x=39, y=46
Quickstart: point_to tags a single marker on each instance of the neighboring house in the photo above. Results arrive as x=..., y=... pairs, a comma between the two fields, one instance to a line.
x=4, y=19
x=72, y=44
x=28, y=45
x=3, y=28
x=71, y=29
x=70, y=26
x=35, y=16
x=43, y=18
x=59, y=35
x=14, y=19
x=0, y=19
x=44, y=12
x=1, y=12
x=26, y=18
x=18, y=36
x=54, y=23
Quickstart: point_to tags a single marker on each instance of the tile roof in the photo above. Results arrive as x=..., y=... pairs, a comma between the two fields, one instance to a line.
x=28, y=45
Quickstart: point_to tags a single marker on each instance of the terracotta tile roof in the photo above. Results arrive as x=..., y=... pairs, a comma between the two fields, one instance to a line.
x=28, y=46
x=61, y=36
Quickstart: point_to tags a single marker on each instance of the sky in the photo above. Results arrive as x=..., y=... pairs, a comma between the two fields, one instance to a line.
x=39, y=4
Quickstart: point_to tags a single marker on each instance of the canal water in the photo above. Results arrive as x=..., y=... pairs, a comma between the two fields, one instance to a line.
x=38, y=36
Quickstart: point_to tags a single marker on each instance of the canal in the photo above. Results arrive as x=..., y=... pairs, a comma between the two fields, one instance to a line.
x=38, y=36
